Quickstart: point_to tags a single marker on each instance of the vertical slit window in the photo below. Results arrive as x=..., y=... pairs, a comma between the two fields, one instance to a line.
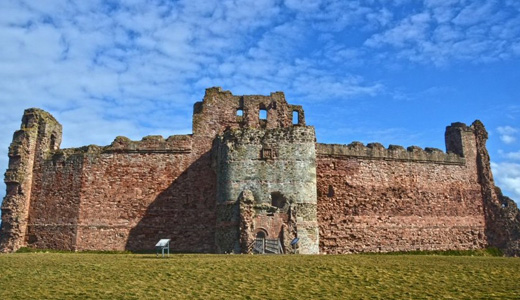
x=53, y=142
x=330, y=192
x=295, y=117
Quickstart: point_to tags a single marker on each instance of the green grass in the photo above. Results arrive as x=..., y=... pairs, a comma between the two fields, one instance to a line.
x=192, y=276
x=492, y=251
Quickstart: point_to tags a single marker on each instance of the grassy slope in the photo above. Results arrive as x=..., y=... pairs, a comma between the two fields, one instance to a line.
x=131, y=276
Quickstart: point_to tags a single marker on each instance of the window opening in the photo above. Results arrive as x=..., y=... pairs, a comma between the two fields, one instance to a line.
x=53, y=142
x=295, y=117
x=330, y=193
x=278, y=200
x=240, y=112
x=263, y=114
x=25, y=122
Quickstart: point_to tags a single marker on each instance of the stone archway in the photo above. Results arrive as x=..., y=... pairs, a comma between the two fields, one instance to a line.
x=260, y=241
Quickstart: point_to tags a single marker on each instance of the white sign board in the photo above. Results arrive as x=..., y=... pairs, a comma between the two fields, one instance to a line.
x=163, y=243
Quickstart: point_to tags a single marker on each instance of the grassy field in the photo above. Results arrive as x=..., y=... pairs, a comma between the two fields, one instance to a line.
x=187, y=276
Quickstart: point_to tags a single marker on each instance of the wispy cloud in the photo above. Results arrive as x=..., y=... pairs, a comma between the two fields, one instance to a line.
x=507, y=134
x=443, y=31
x=507, y=175
x=510, y=155
x=104, y=68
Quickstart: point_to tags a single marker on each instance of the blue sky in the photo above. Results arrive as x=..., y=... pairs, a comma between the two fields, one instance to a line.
x=394, y=72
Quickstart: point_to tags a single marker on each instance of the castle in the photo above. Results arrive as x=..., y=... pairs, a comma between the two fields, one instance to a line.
x=251, y=178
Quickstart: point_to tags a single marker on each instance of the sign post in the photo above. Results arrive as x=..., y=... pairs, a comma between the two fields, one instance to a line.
x=163, y=244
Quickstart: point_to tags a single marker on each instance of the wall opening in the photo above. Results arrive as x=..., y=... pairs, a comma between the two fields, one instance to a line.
x=278, y=200
x=263, y=114
x=259, y=246
x=330, y=192
x=295, y=117
x=11, y=188
x=52, y=144
x=25, y=122
x=14, y=162
x=240, y=112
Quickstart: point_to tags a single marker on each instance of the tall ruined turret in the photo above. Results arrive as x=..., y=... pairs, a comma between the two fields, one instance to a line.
x=266, y=180
x=502, y=214
x=39, y=135
x=502, y=217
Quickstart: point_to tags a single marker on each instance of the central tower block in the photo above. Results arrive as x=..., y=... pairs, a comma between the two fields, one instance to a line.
x=266, y=180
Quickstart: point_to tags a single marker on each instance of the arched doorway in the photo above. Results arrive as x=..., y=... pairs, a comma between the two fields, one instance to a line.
x=259, y=246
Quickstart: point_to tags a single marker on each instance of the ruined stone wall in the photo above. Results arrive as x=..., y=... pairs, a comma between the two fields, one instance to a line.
x=372, y=199
x=55, y=200
x=125, y=196
x=239, y=175
x=502, y=214
x=222, y=110
x=131, y=200
x=39, y=135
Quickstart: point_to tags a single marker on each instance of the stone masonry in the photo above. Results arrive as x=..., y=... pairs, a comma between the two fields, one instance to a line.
x=251, y=178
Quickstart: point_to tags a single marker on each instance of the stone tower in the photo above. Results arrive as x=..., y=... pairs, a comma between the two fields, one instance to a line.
x=266, y=180
x=39, y=134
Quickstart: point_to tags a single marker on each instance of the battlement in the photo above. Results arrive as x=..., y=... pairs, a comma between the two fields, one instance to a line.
x=393, y=152
x=122, y=144
x=152, y=143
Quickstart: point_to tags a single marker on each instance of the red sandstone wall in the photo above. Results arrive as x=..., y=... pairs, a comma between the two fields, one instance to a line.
x=373, y=205
x=131, y=200
x=125, y=196
x=53, y=214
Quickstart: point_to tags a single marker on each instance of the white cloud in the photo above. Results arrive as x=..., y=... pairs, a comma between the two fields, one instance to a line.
x=408, y=31
x=507, y=134
x=513, y=155
x=508, y=139
x=476, y=12
x=447, y=31
x=305, y=5
x=507, y=176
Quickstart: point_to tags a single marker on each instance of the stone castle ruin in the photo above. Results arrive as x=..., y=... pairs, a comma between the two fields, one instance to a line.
x=251, y=178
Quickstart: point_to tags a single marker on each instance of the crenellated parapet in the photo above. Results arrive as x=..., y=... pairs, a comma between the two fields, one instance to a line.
x=377, y=151
x=152, y=143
